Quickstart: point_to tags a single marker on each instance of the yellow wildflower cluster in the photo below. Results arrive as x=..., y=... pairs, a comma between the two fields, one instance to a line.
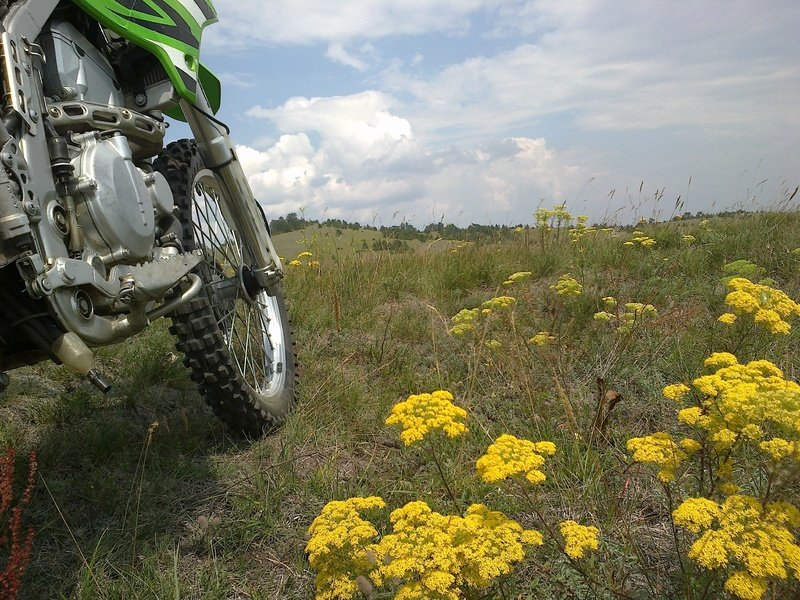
x=493, y=344
x=688, y=239
x=769, y=307
x=753, y=538
x=435, y=556
x=609, y=302
x=543, y=338
x=744, y=403
x=567, y=287
x=518, y=277
x=423, y=413
x=640, y=239
x=426, y=555
x=626, y=317
x=546, y=219
x=578, y=538
x=467, y=320
x=303, y=260
x=581, y=229
x=509, y=456
x=338, y=546
x=661, y=450
x=498, y=303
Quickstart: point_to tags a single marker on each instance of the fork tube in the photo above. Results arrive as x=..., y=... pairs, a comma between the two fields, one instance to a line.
x=216, y=149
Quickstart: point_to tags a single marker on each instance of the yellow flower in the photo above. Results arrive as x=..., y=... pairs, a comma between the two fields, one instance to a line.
x=509, y=456
x=567, y=286
x=754, y=536
x=641, y=239
x=743, y=402
x=743, y=585
x=689, y=239
x=338, y=546
x=423, y=413
x=723, y=439
x=518, y=277
x=305, y=255
x=727, y=318
x=493, y=344
x=499, y=302
x=578, y=538
x=465, y=321
x=719, y=360
x=728, y=488
x=695, y=514
x=769, y=307
x=693, y=416
x=676, y=392
x=660, y=450
x=295, y=263
x=541, y=339
x=604, y=316
x=430, y=555
x=609, y=302
x=488, y=544
x=689, y=445
x=779, y=448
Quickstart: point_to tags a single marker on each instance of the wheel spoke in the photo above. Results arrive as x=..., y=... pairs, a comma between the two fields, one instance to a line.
x=244, y=323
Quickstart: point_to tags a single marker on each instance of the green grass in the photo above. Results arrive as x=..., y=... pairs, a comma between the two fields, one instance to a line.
x=126, y=508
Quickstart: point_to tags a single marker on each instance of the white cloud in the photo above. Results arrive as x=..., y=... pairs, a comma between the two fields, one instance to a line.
x=337, y=53
x=357, y=129
x=249, y=22
x=629, y=90
x=708, y=80
x=366, y=164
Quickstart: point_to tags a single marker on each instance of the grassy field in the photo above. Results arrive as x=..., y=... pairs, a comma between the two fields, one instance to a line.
x=143, y=494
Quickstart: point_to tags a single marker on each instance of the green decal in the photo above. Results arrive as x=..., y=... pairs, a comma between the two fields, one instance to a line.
x=170, y=29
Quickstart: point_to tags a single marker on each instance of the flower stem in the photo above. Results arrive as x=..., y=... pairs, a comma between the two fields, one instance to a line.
x=438, y=464
x=573, y=563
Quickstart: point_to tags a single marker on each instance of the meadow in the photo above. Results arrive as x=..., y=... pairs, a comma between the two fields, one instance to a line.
x=655, y=454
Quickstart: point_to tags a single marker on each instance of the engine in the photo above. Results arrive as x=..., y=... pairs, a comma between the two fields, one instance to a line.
x=93, y=235
x=117, y=203
x=118, y=200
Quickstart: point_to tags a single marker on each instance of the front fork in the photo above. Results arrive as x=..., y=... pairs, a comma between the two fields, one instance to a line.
x=238, y=203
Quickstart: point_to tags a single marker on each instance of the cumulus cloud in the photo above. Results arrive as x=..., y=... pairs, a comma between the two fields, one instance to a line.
x=351, y=157
x=627, y=90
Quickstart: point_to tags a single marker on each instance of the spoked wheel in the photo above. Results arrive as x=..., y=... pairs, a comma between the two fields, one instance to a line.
x=235, y=336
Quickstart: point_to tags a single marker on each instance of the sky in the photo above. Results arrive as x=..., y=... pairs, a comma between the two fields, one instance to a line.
x=482, y=111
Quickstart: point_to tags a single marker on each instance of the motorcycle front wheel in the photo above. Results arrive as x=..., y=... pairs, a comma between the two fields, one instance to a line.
x=235, y=337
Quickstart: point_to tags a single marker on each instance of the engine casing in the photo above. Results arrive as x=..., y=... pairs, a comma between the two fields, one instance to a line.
x=117, y=204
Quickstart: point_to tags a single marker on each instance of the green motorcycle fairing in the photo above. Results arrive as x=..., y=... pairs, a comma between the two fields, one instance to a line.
x=171, y=30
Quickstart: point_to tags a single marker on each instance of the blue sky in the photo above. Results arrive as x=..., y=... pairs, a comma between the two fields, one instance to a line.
x=482, y=110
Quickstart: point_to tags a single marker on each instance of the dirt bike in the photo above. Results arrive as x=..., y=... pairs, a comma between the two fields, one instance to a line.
x=104, y=230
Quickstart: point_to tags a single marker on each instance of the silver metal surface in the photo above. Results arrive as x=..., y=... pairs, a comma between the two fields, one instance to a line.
x=145, y=134
x=116, y=212
x=76, y=67
x=152, y=282
x=111, y=286
x=216, y=149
